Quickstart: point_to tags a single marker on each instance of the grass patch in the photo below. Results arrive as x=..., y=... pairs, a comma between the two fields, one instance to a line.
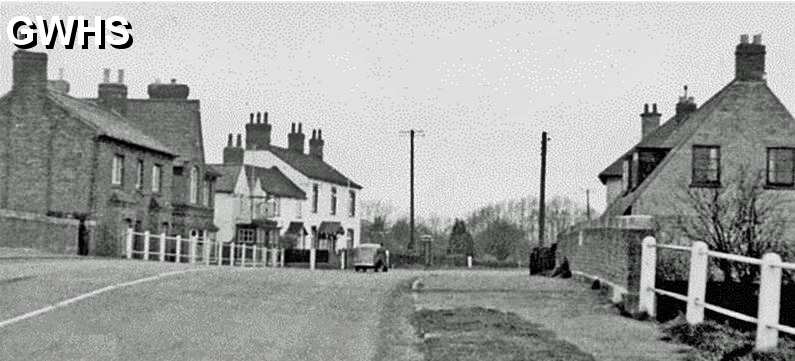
x=485, y=334
x=712, y=341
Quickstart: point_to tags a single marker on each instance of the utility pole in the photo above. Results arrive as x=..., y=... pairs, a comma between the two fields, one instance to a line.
x=541, y=199
x=588, y=203
x=412, y=133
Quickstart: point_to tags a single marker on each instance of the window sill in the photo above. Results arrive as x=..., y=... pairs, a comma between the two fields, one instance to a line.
x=705, y=185
x=779, y=186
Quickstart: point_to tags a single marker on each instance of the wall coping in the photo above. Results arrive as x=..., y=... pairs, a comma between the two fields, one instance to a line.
x=28, y=216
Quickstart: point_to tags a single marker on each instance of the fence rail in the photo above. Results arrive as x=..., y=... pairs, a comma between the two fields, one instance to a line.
x=193, y=250
x=771, y=267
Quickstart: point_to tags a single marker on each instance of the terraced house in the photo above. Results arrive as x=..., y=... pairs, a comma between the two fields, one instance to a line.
x=109, y=162
x=301, y=197
x=743, y=127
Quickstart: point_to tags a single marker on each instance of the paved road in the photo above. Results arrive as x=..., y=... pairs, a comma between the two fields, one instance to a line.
x=220, y=313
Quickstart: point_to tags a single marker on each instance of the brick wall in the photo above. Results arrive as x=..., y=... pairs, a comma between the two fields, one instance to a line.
x=29, y=230
x=608, y=250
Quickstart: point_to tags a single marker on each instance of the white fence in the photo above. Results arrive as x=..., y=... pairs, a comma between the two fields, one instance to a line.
x=197, y=250
x=771, y=267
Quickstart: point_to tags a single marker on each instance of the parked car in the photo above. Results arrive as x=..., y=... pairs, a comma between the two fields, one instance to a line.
x=370, y=255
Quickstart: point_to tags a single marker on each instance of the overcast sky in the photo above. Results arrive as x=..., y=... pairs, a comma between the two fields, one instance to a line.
x=481, y=79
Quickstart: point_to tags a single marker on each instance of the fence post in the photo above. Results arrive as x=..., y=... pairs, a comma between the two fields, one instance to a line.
x=648, y=266
x=273, y=257
x=192, y=250
x=220, y=254
x=343, y=256
x=162, y=246
x=697, y=283
x=469, y=262
x=178, y=256
x=232, y=254
x=281, y=256
x=769, y=302
x=243, y=255
x=146, y=245
x=206, y=246
x=129, y=242
x=312, y=258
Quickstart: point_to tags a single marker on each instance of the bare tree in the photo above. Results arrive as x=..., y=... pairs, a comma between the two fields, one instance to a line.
x=740, y=217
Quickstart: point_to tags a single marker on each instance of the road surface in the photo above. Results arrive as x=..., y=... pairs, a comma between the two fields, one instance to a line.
x=212, y=314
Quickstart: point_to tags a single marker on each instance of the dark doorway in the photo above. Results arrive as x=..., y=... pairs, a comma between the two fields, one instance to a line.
x=83, y=238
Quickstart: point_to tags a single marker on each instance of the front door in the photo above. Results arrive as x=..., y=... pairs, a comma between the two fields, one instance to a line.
x=82, y=239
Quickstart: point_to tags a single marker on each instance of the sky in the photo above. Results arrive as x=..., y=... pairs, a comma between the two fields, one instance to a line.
x=482, y=80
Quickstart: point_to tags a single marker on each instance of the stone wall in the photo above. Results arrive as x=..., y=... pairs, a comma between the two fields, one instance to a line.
x=29, y=230
x=608, y=250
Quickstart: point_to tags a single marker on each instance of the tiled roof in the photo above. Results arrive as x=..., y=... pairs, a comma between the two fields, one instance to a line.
x=106, y=123
x=273, y=181
x=228, y=179
x=312, y=167
x=730, y=96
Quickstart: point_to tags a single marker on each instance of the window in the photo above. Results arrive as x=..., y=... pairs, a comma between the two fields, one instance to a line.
x=194, y=184
x=139, y=171
x=315, y=193
x=706, y=165
x=352, y=204
x=156, y=178
x=298, y=205
x=246, y=235
x=206, y=194
x=626, y=171
x=333, y=201
x=780, y=166
x=118, y=170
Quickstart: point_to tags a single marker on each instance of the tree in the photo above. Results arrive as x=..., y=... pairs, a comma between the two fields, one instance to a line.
x=501, y=238
x=737, y=218
x=461, y=242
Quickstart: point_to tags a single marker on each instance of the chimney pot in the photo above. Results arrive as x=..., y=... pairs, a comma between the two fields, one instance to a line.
x=646, y=108
x=314, y=133
x=60, y=73
x=106, y=75
x=299, y=129
x=259, y=117
x=292, y=130
x=229, y=142
x=121, y=76
x=265, y=117
x=319, y=134
x=173, y=80
x=239, y=143
x=744, y=39
x=758, y=39
x=251, y=118
x=654, y=108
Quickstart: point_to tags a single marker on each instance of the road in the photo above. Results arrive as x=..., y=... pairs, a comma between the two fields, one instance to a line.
x=212, y=314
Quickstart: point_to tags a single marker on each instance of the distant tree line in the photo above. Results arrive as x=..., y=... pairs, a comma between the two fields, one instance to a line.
x=503, y=231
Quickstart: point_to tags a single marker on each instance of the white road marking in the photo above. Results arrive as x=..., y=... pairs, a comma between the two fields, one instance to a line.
x=93, y=293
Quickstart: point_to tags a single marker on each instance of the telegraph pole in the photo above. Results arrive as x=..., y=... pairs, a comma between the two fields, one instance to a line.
x=412, y=133
x=541, y=200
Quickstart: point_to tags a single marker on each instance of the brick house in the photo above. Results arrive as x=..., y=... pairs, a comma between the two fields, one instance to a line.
x=326, y=217
x=255, y=205
x=84, y=159
x=744, y=125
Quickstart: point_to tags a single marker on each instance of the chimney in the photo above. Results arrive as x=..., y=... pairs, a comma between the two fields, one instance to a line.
x=649, y=121
x=749, y=59
x=685, y=106
x=233, y=154
x=113, y=95
x=316, y=144
x=258, y=135
x=59, y=85
x=29, y=80
x=173, y=90
x=295, y=140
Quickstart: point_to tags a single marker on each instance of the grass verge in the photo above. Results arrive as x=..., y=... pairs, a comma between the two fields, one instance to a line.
x=712, y=341
x=486, y=334
x=396, y=339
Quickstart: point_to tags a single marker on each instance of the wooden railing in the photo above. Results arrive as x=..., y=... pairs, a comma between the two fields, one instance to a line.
x=771, y=267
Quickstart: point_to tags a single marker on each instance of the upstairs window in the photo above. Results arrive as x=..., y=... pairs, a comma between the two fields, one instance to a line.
x=156, y=178
x=706, y=166
x=139, y=172
x=117, y=177
x=352, y=205
x=333, y=201
x=780, y=167
x=298, y=205
x=315, y=194
x=194, y=185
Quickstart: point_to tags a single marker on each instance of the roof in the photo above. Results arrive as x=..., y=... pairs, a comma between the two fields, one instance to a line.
x=272, y=180
x=330, y=228
x=733, y=96
x=312, y=167
x=107, y=123
x=228, y=177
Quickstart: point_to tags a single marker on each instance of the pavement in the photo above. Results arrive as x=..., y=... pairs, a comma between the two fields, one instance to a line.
x=226, y=313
